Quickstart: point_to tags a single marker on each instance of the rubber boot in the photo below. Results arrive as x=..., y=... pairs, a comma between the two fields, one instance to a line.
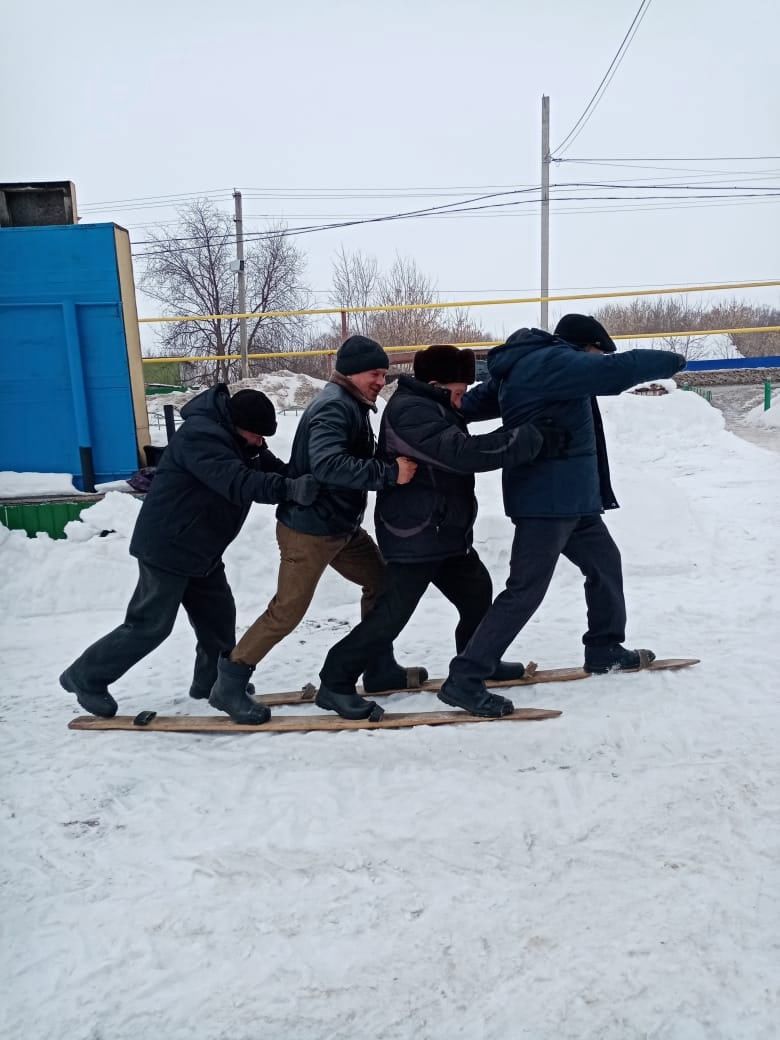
x=508, y=670
x=348, y=705
x=229, y=694
x=199, y=694
x=96, y=702
x=615, y=658
x=476, y=702
x=387, y=674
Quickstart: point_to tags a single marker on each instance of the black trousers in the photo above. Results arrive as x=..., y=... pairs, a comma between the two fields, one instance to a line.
x=149, y=620
x=464, y=580
x=536, y=547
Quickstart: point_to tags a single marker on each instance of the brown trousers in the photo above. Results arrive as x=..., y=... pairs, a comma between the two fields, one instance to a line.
x=304, y=558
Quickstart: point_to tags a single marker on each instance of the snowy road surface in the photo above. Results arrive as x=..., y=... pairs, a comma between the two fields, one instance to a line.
x=611, y=874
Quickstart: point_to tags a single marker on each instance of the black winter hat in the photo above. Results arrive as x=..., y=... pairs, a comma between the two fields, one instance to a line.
x=251, y=410
x=584, y=331
x=360, y=354
x=443, y=363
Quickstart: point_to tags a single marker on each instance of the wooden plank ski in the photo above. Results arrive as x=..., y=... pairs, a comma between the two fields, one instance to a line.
x=542, y=675
x=299, y=723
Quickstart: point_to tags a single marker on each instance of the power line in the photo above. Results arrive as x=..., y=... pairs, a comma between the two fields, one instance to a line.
x=601, y=89
x=416, y=214
x=679, y=158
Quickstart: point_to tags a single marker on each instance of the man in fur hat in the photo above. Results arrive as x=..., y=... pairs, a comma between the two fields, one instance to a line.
x=425, y=528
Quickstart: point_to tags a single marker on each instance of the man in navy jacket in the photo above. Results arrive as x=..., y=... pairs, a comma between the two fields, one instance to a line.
x=556, y=505
x=215, y=467
x=425, y=528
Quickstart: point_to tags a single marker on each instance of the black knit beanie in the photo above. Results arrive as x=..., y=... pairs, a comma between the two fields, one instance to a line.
x=360, y=354
x=252, y=411
x=582, y=330
x=443, y=363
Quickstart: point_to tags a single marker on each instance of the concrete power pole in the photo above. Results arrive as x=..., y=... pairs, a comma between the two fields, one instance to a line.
x=241, y=272
x=545, y=258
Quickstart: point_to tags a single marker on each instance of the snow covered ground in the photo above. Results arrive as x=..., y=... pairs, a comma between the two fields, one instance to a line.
x=610, y=874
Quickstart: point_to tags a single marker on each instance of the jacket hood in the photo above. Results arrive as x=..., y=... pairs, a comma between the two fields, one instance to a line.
x=501, y=359
x=211, y=404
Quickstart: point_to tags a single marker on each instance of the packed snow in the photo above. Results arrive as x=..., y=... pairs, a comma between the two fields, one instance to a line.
x=28, y=485
x=609, y=874
x=766, y=418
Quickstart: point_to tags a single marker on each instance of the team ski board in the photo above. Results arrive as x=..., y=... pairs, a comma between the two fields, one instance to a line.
x=299, y=723
x=542, y=675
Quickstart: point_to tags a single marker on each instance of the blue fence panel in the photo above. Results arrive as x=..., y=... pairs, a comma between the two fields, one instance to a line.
x=64, y=372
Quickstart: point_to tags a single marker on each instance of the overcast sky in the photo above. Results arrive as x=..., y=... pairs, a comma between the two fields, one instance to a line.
x=169, y=97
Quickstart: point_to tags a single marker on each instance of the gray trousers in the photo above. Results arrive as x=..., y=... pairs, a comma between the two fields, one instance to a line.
x=150, y=616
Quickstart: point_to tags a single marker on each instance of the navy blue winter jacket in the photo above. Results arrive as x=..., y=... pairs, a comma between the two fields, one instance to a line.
x=335, y=443
x=432, y=517
x=207, y=479
x=534, y=376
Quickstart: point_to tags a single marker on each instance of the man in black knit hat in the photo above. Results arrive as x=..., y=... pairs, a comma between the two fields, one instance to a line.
x=216, y=465
x=425, y=529
x=335, y=443
x=556, y=506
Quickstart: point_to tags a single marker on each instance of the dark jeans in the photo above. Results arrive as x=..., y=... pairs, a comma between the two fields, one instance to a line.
x=536, y=547
x=149, y=621
x=465, y=582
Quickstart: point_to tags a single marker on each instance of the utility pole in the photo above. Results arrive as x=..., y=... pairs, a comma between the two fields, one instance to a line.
x=545, y=273
x=241, y=272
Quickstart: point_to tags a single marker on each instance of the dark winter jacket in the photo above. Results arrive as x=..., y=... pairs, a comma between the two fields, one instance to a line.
x=207, y=479
x=432, y=517
x=334, y=442
x=535, y=375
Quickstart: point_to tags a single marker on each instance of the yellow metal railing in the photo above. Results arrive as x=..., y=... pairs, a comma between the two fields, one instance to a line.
x=482, y=345
x=463, y=303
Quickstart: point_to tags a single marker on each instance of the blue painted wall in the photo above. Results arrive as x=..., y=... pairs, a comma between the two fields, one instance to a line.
x=64, y=371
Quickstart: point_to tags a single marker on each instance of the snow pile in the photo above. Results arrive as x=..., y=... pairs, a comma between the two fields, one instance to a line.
x=767, y=420
x=287, y=390
x=28, y=485
x=611, y=874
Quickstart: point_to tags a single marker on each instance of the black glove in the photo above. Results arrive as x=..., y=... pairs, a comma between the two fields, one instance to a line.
x=555, y=439
x=681, y=362
x=302, y=490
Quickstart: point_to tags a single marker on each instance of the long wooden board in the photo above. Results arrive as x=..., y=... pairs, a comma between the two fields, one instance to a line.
x=300, y=723
x=543, y=675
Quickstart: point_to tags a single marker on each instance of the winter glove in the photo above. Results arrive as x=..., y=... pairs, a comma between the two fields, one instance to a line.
x=681, y=362
x=302, y=490
x=555, y=439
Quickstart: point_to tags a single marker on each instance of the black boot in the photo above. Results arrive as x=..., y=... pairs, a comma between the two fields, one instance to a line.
x=387, y=674
x=615, y=658
x=229, y=694
x=96, y=702
x=507, y=670
x=198, y=693
x=348, y=705
x=478, y=702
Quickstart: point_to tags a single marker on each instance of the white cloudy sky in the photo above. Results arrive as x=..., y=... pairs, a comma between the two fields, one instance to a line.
x=172, y=97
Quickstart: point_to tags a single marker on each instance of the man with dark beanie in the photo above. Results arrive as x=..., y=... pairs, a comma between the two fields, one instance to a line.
x=556, y=505
x=425, y=529
x=215, y=466
x=334, y=442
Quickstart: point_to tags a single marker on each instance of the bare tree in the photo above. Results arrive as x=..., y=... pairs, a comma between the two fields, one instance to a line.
x=672, y=315
x=358, y=282
x=189, y=271
x=355, y=282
